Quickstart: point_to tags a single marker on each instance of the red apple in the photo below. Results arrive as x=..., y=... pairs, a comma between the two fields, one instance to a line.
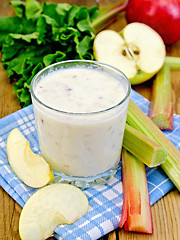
x=162, y=15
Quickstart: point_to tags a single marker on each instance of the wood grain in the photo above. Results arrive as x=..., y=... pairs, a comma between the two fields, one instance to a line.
x=166, y=212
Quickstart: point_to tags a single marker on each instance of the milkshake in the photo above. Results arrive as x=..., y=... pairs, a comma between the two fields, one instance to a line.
x=80, y=110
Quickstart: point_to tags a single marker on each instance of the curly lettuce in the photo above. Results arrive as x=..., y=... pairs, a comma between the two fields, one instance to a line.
x=41, y=34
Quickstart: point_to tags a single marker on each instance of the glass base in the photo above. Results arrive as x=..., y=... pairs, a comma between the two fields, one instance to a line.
x=85, y=182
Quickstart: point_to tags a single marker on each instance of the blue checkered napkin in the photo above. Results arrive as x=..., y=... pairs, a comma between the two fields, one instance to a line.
x=105, y=202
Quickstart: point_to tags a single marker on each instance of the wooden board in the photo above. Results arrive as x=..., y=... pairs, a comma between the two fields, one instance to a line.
x=166, y=212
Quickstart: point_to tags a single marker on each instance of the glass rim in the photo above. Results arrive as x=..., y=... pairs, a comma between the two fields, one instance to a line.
x=80, y=61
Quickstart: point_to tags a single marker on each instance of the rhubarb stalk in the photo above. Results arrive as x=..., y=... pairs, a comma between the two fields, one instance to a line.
x=146, y=150
x=136, y=211
x=138, y=119
x=173, y=62
x=107, y=15
x=161, y=105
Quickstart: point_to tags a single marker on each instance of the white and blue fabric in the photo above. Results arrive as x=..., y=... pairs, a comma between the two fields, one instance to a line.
x=105, y=201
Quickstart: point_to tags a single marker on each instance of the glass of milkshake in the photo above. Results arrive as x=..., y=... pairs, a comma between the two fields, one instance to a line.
x=80, y=111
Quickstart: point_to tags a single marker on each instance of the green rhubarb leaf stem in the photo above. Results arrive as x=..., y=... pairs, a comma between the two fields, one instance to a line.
x=136, y=211
x=173, y=62
x=141, y=122
x=161, y=105
x=107, y=15
x=146, y=150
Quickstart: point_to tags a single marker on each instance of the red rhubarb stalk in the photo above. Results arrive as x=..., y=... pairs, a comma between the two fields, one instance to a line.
x=107, y=15
x=136, y=211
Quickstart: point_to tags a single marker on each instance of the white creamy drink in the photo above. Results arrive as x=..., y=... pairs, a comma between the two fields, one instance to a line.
x=80, y=115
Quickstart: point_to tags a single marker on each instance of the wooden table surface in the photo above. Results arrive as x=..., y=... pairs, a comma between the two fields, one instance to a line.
x=165, y=212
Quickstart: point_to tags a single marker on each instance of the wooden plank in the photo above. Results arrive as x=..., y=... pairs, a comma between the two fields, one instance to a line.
x=166, y=214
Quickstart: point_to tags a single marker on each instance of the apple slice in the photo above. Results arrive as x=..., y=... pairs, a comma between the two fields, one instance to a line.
x=55, y=204
x=138, y=51
x=31, y=168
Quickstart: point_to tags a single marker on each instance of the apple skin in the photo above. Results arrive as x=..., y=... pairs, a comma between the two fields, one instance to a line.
x=141, y=77
x=162, y=15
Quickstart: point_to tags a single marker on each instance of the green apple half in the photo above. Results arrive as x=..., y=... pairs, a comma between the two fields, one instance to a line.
x=31, y=168
x=49, y=207
x=138, y=51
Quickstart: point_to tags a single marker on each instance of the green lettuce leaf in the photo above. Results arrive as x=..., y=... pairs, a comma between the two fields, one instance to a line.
x=33, y=9
x=58, y=56
x=9, y=25
x=19, y=8
x=41, y=34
